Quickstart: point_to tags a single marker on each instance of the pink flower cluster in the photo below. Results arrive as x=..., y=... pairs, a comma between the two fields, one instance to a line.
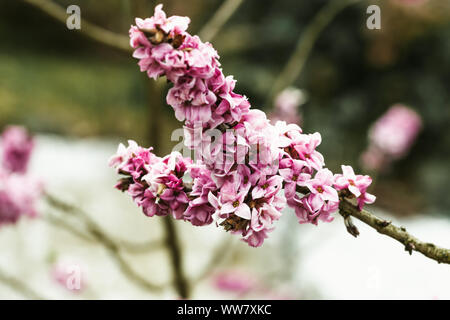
x=18, y=191
x=391, y=137
x=244, y=162
x=200, y=93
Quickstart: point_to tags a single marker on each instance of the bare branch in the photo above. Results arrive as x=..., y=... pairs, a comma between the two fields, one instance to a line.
x=19, y=286
x=89, y=29
x=411, y=243
x=173, y=246
x=220, y=254
x=347, y=210
x=60, y=223
x=218, y=20
x=108, y=243
x=296, y=62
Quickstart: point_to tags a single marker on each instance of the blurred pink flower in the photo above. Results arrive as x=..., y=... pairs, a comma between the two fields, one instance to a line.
x=19, y=192
x=287, y=105
x=391, y=136
x=18, y=196
x=17, y=146
x=235, y=281
x=69, y=274
x=373, y=159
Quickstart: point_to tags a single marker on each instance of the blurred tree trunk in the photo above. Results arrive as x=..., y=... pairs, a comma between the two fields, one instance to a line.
x=143, y=8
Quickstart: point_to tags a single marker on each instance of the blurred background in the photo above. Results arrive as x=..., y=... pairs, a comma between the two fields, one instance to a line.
x=80, y=97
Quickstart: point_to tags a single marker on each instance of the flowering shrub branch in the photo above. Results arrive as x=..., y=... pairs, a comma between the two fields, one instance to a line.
x=241, y=161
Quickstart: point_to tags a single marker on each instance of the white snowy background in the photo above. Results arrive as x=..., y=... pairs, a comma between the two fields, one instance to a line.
x=297, y=261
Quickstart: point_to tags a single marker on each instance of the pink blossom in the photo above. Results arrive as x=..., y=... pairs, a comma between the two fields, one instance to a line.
x=311, y=209
x=174, y=24
x=373, y=159
x=256, y=238
x=294, y=175
x=17, y=146
x=287, y=104
x=321, y=186
x=356, y=184
x=234, y=281
x=18, y=196
x=395, y=132
x=234, y=203
x=199, y=215
x=320, y=202
x=267, y=187
x=132, y=159
x=70, y=275
x=305, y=147
x=192, y=102
x=19, y=192
x=202, y=185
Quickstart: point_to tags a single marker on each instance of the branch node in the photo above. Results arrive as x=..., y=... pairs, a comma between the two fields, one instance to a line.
x=351, y=228
x=383, y=223
x=409, y=246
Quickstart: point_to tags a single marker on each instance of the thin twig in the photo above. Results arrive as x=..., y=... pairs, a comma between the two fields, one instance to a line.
x=19, y=286
x=219, y=256
x=173, y=246
x=144, y=247
x=400, y=234
x=108, y=243
x=60, y=223
x=130, y=247
x=218, y=20
x=89, y=29
x=296, y=62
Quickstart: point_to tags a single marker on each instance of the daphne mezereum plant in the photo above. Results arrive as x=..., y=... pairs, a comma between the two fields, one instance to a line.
x=242, y=163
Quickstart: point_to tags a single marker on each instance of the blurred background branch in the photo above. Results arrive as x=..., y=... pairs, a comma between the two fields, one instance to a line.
x=218, y=20
x=106, y=37
x=106, y=241
x=19, y=286
x=308, y=37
